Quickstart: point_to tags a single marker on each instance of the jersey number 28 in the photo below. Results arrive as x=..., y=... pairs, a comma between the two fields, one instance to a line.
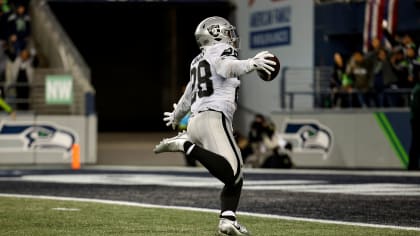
x=200, y=76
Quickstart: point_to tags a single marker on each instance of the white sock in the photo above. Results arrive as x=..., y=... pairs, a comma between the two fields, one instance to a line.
x=228, y=215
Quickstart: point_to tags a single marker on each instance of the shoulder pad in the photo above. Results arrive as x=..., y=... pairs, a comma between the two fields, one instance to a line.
x=230, y=52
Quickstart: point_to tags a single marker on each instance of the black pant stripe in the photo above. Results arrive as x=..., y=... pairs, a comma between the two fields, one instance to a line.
x=232, y=144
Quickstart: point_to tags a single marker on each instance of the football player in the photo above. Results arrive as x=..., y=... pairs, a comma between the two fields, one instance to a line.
x=211, y=96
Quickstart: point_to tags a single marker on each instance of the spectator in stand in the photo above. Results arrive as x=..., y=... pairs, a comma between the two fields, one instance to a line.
x=378, y=77
x=396, y=59
x=384, y=78
x=399, y=74
x=11, y=48
x=390, y=79
x=371, y=56
x=395, y=40
x=408, y=42
x=374, y=59
x=340, y=84
x=403, y=67
x=5, y=12
x=22, y=76
x=335, y=82
x=19, y=27
x=358, y=70
x=412, y=60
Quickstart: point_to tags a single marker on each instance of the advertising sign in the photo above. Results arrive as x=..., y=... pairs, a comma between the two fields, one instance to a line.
x=285, y=28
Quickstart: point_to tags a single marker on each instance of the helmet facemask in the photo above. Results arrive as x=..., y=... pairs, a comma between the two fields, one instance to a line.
x=232, y=36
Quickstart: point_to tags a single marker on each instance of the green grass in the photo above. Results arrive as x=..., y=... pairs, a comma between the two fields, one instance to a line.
x=24, y=216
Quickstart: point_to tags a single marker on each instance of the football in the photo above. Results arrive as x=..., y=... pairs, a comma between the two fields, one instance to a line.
x=266, y=77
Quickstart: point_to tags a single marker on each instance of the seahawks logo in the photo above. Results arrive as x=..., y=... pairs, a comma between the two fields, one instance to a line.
x=24, y=136
x=308, y=136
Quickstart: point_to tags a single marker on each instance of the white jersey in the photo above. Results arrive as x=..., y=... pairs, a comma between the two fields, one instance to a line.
x=211, y=89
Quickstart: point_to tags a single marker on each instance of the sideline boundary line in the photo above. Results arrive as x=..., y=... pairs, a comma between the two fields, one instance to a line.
x=86, y=168
x=145, y=205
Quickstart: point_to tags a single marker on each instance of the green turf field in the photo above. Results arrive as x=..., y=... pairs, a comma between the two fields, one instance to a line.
x=20, y=216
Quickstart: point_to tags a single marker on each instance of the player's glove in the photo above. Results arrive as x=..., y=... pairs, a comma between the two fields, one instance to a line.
x=259, y=62
x=169, y=118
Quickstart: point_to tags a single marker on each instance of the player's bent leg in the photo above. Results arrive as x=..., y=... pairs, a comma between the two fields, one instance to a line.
x=174, y=144
x=217, y=165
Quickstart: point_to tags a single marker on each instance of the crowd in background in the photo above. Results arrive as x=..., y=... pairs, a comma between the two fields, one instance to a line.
x=17, y=55
x=265, y=147
x=382, y=77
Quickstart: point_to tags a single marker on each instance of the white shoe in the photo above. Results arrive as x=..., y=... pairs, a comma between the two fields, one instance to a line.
x=230, y=227
x=174, y=144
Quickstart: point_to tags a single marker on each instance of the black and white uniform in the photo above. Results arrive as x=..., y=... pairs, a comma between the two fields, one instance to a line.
x=211, y=96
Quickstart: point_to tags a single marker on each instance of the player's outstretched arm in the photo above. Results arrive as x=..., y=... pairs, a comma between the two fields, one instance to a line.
x=180, y=109
x=168, y=118
x=232, y=67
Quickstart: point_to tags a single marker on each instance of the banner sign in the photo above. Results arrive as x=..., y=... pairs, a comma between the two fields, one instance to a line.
x=276, y=36
x=59, y=89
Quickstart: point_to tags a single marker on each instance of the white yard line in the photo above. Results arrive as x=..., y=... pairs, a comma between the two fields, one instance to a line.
x=134, y=204
x=65, y=209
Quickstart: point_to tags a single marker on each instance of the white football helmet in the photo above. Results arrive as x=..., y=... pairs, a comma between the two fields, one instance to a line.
x=215, y=30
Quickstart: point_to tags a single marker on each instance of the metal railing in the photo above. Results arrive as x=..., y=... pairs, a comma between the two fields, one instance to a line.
x=303, y=82
x=10, y=96
x=321, y=97
x=35, y=100
x=309, y=88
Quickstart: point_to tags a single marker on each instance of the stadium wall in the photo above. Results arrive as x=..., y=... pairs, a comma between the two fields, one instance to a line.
x=46, y=139
x=347, y=139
